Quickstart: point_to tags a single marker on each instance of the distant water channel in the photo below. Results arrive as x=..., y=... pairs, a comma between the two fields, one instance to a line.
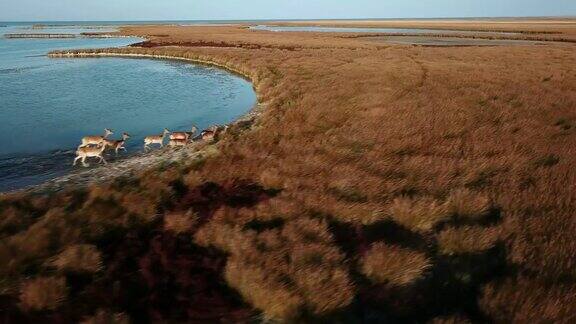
x=371, y=30
x=412, y=36
x=48, y=104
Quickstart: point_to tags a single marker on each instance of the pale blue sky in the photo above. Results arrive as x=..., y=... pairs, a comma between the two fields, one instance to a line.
x=26, y=10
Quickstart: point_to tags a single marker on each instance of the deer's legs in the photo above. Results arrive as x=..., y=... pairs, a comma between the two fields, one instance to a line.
x=102, y=160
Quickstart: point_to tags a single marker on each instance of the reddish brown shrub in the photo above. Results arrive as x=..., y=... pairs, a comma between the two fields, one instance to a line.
x=468, y=239
x=394, y=265
x=43, y=293
x=325, y=289
x=467, y=204
x=106, y=317
x=79, y=258
x=180, y=222
x=264, y=290
x=298, y=263
x=455, y=319
x=418, y=215
x=528, y=303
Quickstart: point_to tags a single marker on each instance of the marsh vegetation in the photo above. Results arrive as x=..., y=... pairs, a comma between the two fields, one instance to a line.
x=381, y=183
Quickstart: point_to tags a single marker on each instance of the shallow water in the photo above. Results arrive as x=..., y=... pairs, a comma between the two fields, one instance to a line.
x=452, y=41
x=370, y=30
x=48, y=104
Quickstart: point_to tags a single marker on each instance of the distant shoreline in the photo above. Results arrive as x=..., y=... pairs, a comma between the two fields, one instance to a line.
x=49, y=35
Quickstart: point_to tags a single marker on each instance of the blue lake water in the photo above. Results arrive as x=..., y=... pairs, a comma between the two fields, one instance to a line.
x=48, y=104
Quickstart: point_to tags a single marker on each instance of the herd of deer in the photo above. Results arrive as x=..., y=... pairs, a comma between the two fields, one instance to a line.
x=94, y=146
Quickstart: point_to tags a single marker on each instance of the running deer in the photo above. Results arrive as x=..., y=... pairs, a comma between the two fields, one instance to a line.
x=208, y=135
x=117, y=144
x=212, y=131
x=96, y=140
x=155, y=139
x=177, y=142
x=84, y=152
x=184, y=135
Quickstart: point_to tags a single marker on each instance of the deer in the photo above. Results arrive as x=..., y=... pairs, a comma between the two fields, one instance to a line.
x=177, y=142
x=212, y=131
x=96, y=140
x=84, y=152
x=155, y=139
x=117, y=144
x=208, y=135
x=183, y=135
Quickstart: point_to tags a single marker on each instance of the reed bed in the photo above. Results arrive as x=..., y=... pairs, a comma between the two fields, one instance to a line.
x=432, y=164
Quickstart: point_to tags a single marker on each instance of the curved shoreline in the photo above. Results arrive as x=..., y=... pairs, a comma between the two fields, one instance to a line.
x=130, y=165
x=80, y=54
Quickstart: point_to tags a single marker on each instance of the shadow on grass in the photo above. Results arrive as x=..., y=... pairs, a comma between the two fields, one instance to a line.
x=452, y=286
x=154, y=275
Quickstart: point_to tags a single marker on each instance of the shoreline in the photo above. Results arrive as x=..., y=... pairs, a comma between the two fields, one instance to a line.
x=61, y=36
x=78, y=178
x=151, y=159
x=69, y=54
x=132, y=164
x=94, y=175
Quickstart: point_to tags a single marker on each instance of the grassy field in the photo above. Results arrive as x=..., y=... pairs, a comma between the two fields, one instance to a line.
x=380, y=183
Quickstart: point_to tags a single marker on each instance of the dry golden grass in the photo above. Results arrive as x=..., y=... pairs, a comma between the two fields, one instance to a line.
x=38, y=241
x=553, y=27
x=348, y=127
x=181, y=222
x=528, y=302
x=418, y=215
x=468, y=205
x=468, y=239
x=44, y=293
x=106, y=317
x=283, y=272
x=78, y=258
x=394, y=265
x=9, y=267
x=456, y=319
x=264, y=291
